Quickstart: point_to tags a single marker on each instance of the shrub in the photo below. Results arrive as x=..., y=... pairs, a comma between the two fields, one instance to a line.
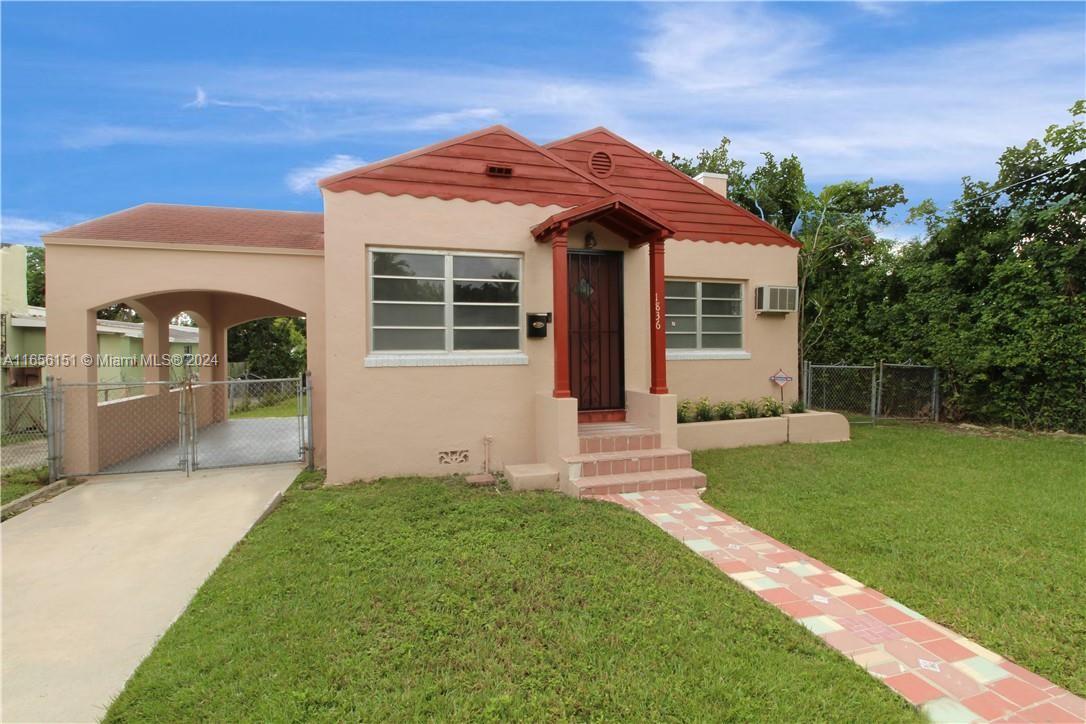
x=685, y=411
x=772, y=407
x=725, y=411
x=797, y=406
x=749, y=409
x=703, y=410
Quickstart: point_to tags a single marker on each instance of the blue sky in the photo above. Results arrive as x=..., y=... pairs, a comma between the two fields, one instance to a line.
x=109, y=105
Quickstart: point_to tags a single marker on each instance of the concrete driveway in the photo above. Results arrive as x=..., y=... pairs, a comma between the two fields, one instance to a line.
x=94, y=577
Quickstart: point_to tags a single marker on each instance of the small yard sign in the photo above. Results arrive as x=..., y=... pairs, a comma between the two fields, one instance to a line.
x=780, y=377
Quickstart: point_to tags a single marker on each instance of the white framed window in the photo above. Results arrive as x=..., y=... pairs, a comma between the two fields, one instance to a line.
x=704, y=315
x=437, y=302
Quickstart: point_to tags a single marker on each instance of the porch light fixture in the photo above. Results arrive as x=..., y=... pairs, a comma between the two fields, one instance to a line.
x=590, y=240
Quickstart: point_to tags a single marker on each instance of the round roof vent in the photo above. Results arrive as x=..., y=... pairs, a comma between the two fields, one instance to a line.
x=600, y=164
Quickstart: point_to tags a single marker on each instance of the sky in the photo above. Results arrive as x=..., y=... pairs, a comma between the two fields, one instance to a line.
x=106, y=106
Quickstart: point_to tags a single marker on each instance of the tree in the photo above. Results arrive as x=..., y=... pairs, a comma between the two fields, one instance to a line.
x=273, y=347
x=35, y=276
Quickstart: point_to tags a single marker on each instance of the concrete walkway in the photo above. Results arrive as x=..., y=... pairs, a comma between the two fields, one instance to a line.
x=94, y=577
x=241, y=441
x=949, y=677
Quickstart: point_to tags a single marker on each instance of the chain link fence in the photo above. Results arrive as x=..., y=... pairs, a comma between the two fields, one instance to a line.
x=24, y=444
x=158, y=426
x=866, y=393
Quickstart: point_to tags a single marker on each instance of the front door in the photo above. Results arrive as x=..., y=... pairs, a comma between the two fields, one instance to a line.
x=596, y=366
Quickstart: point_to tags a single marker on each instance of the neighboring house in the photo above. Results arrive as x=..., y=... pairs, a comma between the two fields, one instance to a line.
x=471, y=303
x=23, y=330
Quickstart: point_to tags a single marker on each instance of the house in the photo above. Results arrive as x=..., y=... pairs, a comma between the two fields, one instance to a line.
x=482, y=303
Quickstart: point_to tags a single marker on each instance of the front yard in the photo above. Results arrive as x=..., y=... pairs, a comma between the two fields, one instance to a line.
x=425, y=599
x=981, y=533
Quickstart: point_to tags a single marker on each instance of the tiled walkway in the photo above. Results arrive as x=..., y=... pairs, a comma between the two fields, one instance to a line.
x=951, y=678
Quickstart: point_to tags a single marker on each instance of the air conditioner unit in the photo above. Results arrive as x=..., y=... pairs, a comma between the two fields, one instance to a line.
x=775, y=300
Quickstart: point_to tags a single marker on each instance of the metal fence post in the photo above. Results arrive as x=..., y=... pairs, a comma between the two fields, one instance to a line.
x=49, y=394
x=311, y=463
x=935, y=395
x=874, y=394
x=878, y=397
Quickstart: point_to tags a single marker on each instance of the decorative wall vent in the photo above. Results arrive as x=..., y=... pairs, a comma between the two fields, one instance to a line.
x=601, y=164
x=452, y=457
x=499, y=171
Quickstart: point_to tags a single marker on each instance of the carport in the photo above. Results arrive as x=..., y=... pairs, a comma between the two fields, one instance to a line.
x=222, y=267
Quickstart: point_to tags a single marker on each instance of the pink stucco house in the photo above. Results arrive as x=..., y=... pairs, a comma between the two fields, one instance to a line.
x=483, y=302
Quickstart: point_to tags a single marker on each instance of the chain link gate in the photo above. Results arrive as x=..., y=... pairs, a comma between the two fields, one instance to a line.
x=865, y=393
x=24, y=414
x=186, y=425
x=851, y=390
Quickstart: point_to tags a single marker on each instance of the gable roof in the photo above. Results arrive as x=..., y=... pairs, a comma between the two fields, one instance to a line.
x=697, y=212
x=617, y=213
x=457, y=169
x=203, y=225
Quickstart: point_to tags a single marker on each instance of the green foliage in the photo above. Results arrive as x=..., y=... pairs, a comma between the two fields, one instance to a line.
x=749, y=409
x=772, y=407
x=995, y=295
x=703, y=410
x=17, y=482
x=797, y=407
x=725, y=411
x=35, y=276
x=685, y=411
x=274, y=347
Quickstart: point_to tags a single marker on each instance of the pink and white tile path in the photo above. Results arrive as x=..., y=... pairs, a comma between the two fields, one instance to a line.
x=950, y=678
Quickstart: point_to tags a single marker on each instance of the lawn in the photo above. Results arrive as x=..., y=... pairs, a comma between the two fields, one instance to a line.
x=287, y=407
x=418, y=598
x=14, y=484
x=981, y=533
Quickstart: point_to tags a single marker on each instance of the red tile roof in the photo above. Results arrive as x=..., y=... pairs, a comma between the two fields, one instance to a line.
x=697, y=212
x=204, y=225
x=457, y=169
x=559, y=173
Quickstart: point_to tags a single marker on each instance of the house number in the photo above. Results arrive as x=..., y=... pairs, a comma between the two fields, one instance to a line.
x=656, y=307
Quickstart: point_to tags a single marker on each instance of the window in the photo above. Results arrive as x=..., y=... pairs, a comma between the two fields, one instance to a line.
x=704, y=315
x=426, y=301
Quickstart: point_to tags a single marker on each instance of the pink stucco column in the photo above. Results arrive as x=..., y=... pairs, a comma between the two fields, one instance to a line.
x=560, y=327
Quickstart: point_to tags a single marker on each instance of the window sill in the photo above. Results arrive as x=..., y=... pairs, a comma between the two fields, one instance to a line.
x=695, y=354
x=446, y=360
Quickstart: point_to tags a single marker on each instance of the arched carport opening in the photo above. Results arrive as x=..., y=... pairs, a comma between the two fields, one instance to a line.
x=158, y=388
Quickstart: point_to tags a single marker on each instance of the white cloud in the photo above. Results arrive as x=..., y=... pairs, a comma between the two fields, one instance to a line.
x=454, y=119
x=21, y=230
x=728, y=45
x=303, y=180
x=881, y=8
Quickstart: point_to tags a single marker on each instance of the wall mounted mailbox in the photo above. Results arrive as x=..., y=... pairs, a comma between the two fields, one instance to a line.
x=537, y=323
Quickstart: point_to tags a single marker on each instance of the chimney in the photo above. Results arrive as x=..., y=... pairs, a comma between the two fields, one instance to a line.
x=715, y=181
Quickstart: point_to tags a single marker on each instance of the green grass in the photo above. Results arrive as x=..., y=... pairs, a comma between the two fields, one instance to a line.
x=418, y=599
x=982, y=533
x=284, y=408
x=18, y=482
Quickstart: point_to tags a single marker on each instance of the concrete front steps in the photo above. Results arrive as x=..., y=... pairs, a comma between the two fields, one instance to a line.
x=619, y=457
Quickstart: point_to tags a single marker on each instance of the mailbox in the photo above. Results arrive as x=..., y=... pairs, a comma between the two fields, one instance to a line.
x=537, y=323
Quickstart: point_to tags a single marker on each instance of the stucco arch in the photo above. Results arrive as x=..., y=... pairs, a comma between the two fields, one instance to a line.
x=221, y=286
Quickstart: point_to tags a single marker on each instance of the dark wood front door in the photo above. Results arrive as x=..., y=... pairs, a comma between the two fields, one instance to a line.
x=596, y=366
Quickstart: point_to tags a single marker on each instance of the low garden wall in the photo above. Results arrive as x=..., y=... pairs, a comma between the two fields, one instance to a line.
x=800, y=427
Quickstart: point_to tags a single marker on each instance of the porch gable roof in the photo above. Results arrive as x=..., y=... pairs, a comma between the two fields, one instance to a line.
x=617, y=213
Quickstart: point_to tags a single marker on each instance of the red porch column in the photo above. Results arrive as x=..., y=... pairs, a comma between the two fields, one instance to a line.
x=560, y=327
x=657, y=338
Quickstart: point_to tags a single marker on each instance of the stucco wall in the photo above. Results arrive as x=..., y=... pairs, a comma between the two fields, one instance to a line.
x=771, y=339
x=391, y=420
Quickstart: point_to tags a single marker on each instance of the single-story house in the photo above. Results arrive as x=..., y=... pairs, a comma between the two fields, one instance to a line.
x=486, y=302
